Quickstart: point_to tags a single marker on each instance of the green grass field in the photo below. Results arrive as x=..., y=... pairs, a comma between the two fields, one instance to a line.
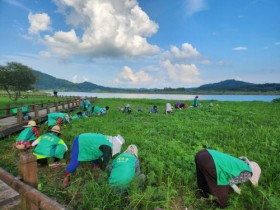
x=167, y=145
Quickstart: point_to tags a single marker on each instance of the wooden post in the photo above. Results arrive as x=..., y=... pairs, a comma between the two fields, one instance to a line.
x=36, y=197
x=36, y=112
x=68, y=104
x=63, y=104
x=19, y=115
x=48, y=108
x=28, y=173
x=56, y=106
x=8, y=110
x=42, y=104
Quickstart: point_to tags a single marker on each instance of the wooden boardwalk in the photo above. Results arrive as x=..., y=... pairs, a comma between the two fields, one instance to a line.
x=9, y=198
x=9, y=125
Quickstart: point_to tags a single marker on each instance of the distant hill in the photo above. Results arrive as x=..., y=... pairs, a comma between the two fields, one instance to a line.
x=234, y=85
x=47, y=82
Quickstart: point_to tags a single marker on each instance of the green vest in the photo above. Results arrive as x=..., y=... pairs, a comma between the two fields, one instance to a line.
x=87, y=105
x=76, y=116
x=96, y=110
x=227, y=167
x=123, y=170
x=52, y=118
x=49, y=145
x=89, y=144
x=26, y=135
x=195, y=102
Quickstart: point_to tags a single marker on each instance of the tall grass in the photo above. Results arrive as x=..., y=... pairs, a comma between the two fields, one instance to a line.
x=167, y=146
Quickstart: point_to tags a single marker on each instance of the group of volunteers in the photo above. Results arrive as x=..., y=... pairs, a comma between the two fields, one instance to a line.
x=93, y=147
x=168, y=107
x=216, y=172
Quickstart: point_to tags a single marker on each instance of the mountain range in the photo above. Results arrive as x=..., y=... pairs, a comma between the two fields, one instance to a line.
x=48, y=82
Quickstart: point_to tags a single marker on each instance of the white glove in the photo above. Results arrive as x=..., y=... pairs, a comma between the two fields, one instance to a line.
x=236, y=189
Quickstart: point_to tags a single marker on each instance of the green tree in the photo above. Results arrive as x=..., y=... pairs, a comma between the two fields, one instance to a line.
x=16, y=77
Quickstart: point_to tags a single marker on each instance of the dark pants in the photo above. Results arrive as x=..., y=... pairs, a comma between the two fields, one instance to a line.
x=44, y=161
x=207, y=178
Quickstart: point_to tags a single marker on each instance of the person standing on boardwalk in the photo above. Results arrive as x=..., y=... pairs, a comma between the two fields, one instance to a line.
x=57, y=118
x=217, y=172
x=124, y=168
x=50, y=145
x=93, y=147
x=28, y=135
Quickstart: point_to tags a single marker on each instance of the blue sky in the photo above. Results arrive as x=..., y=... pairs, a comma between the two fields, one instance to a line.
x=144, y=43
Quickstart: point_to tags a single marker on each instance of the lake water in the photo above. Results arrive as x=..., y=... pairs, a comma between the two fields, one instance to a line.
x=174, y=96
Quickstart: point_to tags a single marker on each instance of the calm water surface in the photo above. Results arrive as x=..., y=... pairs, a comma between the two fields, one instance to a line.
x=175, y=96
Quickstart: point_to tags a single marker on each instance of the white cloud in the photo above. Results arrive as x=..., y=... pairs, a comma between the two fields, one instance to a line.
x=182, y=73
x=38, y=22
x=17, y=4
x=277, y=43
x=193, y=6
x=109, y=28
x=187, y=51
x=85, y=78
x=76, y=79
x=240, y=48
x=238, y=78
x=127, y=76
x=45, y=54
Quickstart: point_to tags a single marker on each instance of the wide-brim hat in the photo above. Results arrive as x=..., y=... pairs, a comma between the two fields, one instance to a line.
x=20, y=146
x=55, y=129
x=31, y=123
x=132, y=149
x=256, y=173
x=117, y=142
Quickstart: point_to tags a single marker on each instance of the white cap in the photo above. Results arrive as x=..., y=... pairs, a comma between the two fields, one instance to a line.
x=132, y=149
x=117, y=142
x=256, y=173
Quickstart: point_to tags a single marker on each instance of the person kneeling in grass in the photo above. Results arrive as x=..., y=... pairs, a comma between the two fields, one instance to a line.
x=124, y=168
x=57, y=118
x=98, y=111
x=217, y=172
x=50, y=145
x=94, y=147
x=28, y=135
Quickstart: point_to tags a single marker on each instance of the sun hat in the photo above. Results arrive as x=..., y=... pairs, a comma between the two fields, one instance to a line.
x=55, y=129
x=132, y=149
x=117, y=142
x=20, y=146
x=256, y=173
x=256, y=170
x=196, y=96
x=31, y=123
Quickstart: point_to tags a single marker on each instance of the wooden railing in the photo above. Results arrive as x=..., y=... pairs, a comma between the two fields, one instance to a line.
x=36, y=112
x=70, y=102
x=26, y=186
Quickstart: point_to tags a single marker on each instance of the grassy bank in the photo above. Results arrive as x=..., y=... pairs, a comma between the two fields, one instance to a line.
x=167, y=145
